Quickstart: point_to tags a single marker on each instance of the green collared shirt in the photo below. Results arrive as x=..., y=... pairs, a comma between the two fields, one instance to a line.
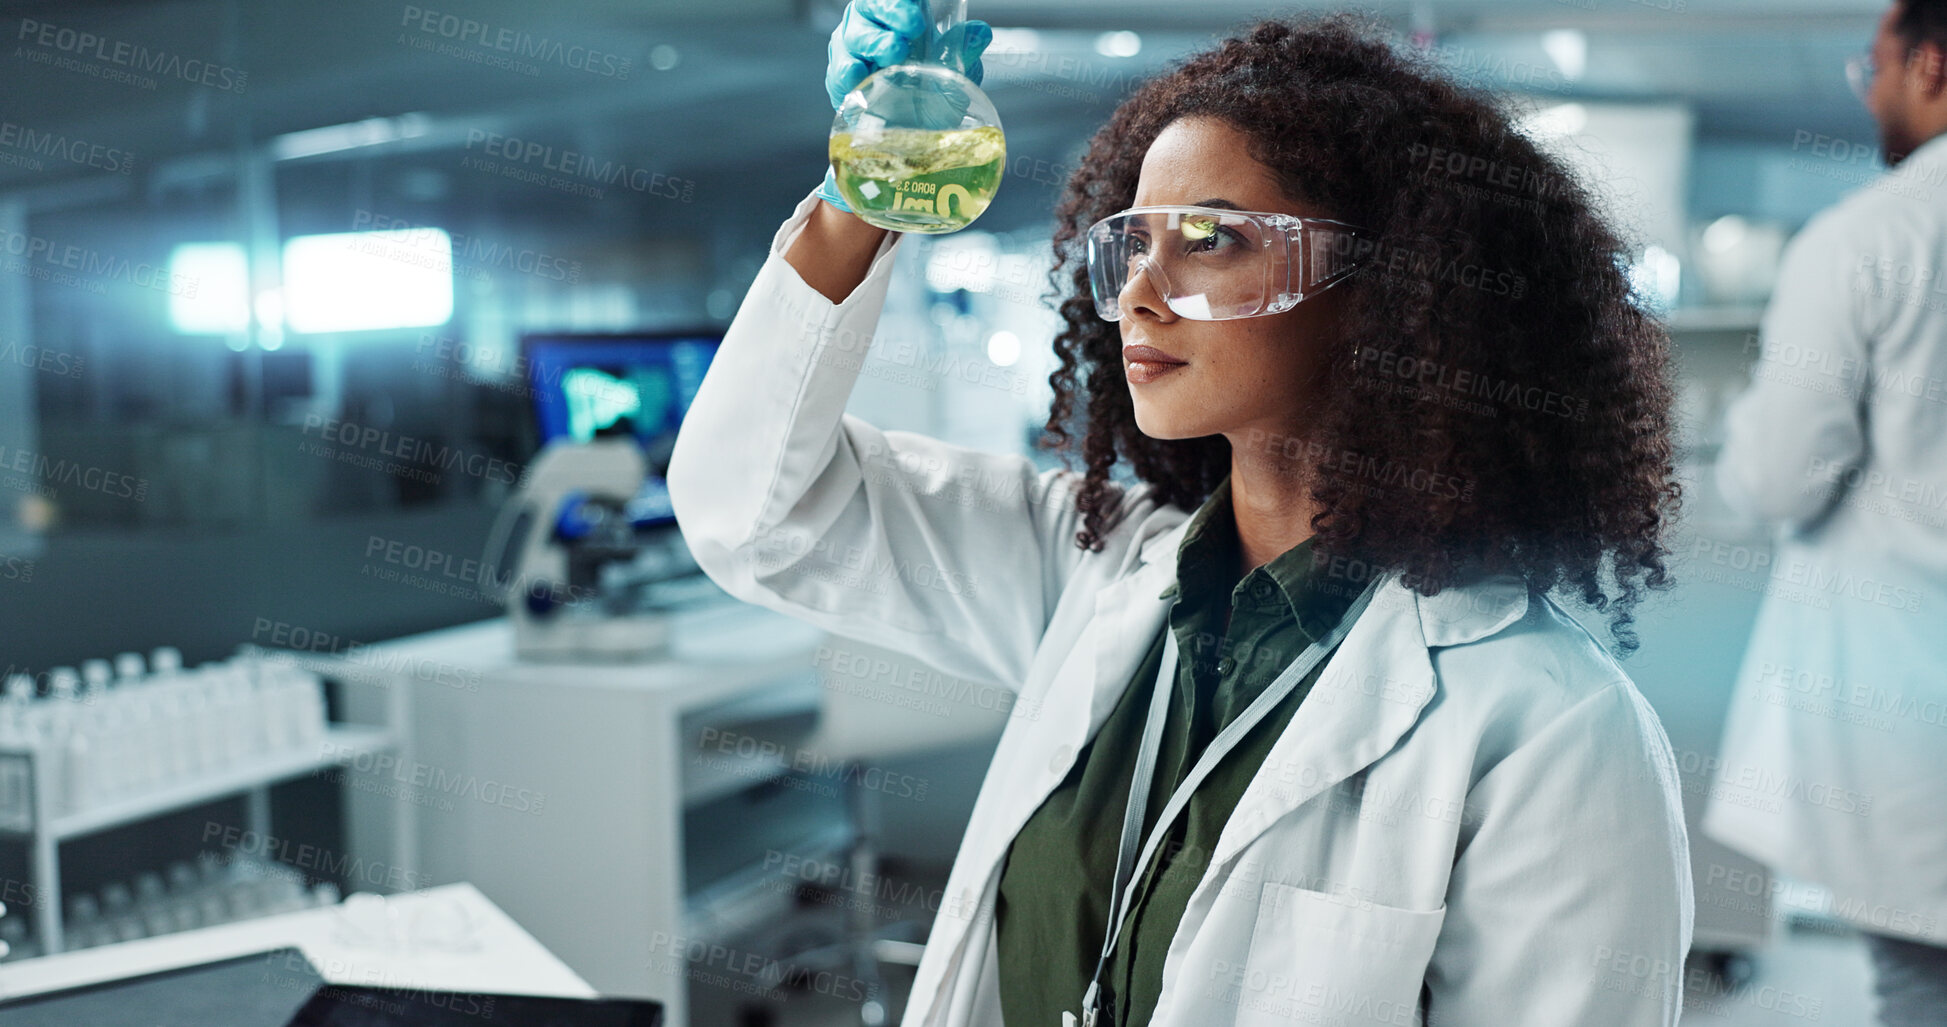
x=1233, y=638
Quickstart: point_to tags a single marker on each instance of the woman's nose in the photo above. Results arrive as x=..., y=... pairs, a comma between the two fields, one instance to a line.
x=1145, y=291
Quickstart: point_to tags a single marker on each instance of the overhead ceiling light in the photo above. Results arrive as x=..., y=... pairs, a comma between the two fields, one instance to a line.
x=1657, y=277
x=1724, y=234
x=1015, y=40
x=218, y=303
x=1003, y=348
x=1565, y=119
x=270, y=318
x=1569, y=49
x=349, y=136
x=1118, y=44
x=967, y=260
x=358, y=281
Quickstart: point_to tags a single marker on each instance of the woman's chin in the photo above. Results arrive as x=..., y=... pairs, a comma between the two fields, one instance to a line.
x=1164, y=423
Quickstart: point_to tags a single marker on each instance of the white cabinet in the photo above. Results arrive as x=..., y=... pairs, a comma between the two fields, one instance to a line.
x=561, y=790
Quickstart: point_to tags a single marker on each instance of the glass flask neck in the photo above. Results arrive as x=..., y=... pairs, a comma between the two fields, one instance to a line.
x=946, y=29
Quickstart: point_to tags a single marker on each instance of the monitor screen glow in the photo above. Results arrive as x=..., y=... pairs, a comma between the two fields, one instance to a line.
x=586, y=387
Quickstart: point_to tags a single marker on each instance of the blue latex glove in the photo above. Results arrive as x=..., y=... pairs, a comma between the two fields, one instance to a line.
x=874, y=34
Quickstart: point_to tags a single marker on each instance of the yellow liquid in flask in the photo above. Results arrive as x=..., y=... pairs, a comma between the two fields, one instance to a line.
x=920, y=180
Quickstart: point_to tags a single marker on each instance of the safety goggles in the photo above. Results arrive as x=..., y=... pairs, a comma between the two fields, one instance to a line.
x=1860, y=69
x=1213, y=263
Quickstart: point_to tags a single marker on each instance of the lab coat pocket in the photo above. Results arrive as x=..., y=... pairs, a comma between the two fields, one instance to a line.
x=1319, y=957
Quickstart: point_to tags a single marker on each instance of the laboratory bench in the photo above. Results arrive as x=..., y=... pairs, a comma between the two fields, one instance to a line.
x=623, y=812
x=476, y=947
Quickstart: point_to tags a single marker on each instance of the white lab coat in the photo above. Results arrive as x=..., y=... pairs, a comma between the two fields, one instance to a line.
x=1834, y=760
x=1473, y=797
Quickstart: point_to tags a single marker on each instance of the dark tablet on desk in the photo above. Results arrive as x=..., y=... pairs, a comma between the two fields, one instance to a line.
x=261, y=990
x=344, y=1005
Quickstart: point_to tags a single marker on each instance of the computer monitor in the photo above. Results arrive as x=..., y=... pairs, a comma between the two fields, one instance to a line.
x=588, y=386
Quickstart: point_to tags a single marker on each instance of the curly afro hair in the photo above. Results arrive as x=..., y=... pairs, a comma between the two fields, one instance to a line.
x=1502, y=403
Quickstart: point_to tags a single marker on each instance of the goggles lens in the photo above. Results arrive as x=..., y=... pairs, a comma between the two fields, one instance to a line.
x=1213, y=264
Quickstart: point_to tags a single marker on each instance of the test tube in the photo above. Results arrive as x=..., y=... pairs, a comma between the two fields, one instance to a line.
x=128, y=667
x=96, y=673
x=166, y=659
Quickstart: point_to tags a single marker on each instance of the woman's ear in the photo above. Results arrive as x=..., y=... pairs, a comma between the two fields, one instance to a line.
x=1926, y=70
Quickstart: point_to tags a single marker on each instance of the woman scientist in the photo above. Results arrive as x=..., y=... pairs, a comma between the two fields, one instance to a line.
x=1373, y=361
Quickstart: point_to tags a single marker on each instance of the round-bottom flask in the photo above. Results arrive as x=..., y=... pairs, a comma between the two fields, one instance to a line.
x=918, y=148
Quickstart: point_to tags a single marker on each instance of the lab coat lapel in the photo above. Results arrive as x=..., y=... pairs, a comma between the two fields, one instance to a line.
x=1370, y=693
x=1127, y=615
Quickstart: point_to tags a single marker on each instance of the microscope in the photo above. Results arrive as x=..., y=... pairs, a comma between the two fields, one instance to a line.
x=582, y=579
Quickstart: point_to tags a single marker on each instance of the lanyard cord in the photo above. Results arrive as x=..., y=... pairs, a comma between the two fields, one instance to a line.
x=1227, y=739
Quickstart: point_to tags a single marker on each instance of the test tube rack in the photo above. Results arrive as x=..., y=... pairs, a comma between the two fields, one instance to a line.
x=261, y=720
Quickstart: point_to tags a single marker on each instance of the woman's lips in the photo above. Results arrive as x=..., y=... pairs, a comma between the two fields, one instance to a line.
x=1142, y=372
x=1144, y=364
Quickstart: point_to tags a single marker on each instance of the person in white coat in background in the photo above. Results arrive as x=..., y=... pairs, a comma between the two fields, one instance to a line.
x=1833, y=767
x=1375, y=366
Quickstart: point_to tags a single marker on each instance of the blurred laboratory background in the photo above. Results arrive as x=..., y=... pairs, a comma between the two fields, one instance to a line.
x=324, y=576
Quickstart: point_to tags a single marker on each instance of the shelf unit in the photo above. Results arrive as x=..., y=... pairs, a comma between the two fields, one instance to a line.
x=44, y=829
x=1714, y=319
x=633, y=798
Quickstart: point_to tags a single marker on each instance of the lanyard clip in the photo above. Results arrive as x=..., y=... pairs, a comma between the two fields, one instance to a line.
x=1088, y=1003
